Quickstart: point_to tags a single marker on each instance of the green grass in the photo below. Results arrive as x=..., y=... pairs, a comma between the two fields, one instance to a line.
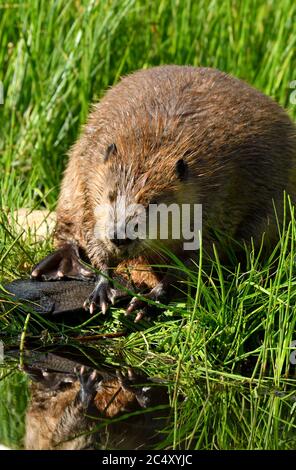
x=226, y=350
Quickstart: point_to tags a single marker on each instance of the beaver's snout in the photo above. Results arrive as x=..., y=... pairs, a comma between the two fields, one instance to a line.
x=121, y=242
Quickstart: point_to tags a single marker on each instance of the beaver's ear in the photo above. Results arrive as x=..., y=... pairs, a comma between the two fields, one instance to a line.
x=181, y=169
x=110, y=150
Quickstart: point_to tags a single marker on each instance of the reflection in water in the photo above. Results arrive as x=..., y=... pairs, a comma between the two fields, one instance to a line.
x=74, y=406
x=77, y=400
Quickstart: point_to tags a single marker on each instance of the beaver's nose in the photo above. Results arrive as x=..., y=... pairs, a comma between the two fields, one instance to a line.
x=120, y=242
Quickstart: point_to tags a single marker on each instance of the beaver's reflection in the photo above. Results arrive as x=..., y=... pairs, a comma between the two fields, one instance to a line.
x=84, y=408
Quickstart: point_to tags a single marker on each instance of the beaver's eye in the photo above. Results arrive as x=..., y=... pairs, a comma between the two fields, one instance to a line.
x=181, y=169
x=112, y=196
x=110, y=150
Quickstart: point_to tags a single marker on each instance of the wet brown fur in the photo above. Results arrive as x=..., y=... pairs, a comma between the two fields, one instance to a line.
x=240, y=147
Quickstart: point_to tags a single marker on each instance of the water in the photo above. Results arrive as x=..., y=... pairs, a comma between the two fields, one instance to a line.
x=65, y=398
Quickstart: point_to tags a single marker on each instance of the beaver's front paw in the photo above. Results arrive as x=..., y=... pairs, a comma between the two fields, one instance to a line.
x=88, y=386
x=147, y=304
x=135, y=383
x=62, y=263
x=100, y=297
x=103, y=295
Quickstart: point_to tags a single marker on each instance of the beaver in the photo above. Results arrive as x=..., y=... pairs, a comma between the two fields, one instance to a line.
x=171, y=135
x=84, y=409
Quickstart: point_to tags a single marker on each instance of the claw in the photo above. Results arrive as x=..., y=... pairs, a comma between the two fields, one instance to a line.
x=135, y=304
x=94, y=375
x=112, y=296
x=92, y=308
x=104, y=307
x=143, y=306
x=140, y=315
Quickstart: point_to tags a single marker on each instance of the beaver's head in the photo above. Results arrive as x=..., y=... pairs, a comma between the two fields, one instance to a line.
x=141, y=200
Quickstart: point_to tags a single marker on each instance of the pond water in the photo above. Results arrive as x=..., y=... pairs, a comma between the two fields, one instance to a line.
x=65, y=398
x=68, y=381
